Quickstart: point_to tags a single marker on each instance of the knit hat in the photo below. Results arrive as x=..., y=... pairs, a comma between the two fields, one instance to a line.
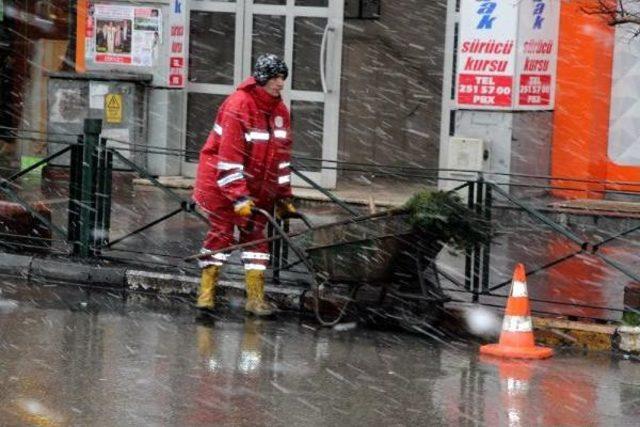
x=269, y=66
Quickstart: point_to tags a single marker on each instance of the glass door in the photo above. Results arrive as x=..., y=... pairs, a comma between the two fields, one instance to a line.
x=215, y=68
x=307, y=34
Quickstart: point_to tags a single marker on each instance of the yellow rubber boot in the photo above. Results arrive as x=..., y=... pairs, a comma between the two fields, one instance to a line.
x=207, y=291
x=255, y=294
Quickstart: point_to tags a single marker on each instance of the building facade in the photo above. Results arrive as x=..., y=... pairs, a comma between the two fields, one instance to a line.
x=372, y=81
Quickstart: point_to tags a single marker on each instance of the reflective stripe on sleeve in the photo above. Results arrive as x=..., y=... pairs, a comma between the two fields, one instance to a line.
x=229, y=179
x=284, y=165
x=217, y=129
x=257, y=136
x=224, y=166
x=285, y=179
x=279, y=133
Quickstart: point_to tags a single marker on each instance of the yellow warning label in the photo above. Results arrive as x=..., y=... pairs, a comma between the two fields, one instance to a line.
x=113, y=107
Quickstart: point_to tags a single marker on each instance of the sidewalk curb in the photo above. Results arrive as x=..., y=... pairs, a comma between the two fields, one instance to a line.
x=286, y=297
x=587, y=335
x=555, y=332
x=69, y=272
x=590, y=336
x=629, y=338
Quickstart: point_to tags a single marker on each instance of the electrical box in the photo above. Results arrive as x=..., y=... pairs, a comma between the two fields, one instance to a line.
x=466, y=158
x=119, y=99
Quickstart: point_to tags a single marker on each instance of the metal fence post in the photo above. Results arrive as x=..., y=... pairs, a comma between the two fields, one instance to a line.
x=468, y=259
x=102, y=196
x=92, y=129
x=75, y=189
x=486, y=254
x=477, y=249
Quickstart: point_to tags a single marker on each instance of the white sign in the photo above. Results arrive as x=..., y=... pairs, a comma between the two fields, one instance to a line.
x=125, y=34
x=97, y=91
x=507, y=54
x=486, y=54
x=537, y=54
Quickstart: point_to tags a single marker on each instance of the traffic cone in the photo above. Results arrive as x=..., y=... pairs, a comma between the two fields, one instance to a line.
x=516, y=338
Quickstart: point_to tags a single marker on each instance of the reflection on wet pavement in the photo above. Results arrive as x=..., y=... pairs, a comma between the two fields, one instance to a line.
x=74, y=357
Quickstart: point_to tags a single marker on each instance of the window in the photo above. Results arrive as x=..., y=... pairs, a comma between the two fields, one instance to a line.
x=362, y=9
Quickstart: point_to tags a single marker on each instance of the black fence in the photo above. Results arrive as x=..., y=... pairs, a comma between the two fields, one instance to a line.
x=87, y=232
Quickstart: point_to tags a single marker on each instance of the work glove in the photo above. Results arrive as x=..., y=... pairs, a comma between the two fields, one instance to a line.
x=285, y=208
x=243, y=207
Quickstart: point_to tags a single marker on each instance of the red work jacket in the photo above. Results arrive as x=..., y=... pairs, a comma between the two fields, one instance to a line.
x=247, y=152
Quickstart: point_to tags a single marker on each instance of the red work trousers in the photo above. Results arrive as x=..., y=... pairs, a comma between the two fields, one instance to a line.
x=223, y=222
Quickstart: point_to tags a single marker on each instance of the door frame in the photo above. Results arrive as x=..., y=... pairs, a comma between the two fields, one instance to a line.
x=189, y=168
x=332, y=56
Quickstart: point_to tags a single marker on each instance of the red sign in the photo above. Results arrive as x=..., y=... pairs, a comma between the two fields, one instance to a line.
x=535, y=89
x=485, y=90
x=176, y=80
x=177, y=65
x=176, y=62
x=113, y=59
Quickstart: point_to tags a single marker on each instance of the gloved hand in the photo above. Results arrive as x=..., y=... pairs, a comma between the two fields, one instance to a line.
x=243, y=207
x=285, y=208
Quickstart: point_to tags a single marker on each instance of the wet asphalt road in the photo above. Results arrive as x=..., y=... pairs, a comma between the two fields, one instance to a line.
x=75, y=357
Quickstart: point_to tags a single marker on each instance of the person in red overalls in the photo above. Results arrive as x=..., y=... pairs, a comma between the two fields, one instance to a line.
x=245, y=163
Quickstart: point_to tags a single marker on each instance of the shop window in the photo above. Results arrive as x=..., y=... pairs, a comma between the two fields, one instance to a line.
x=362, y=9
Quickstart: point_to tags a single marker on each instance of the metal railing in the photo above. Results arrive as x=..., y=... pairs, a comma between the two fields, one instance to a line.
x=88, y=230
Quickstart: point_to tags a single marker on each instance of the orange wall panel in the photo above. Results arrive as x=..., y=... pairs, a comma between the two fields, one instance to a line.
x=583, y=97
x=81, y=28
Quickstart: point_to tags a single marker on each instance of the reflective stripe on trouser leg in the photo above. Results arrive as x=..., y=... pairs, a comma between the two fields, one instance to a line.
x=216, y=259
x=255, y=260
x=219, y=236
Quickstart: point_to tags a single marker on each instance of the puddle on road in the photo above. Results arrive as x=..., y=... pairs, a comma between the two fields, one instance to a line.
x=78, y=357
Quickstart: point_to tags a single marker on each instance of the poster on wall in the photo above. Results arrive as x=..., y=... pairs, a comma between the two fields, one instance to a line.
x=147, y=27
x=486, y=65
x=124, y=34
x=89, y=35
x=538, y=28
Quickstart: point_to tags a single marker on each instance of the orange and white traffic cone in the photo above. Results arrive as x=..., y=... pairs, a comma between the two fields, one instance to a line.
x=516, y=338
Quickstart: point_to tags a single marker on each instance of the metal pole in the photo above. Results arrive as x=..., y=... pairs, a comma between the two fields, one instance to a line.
x=277, y=255
x=542, y=218
x=92, y=129
x=157, y=183
x=486, y=250
x=75, y=178
x=467, y=255
x=38, y=164
x=477, y=249
x=171, y=214
x=333, y=198
x=103, y=198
